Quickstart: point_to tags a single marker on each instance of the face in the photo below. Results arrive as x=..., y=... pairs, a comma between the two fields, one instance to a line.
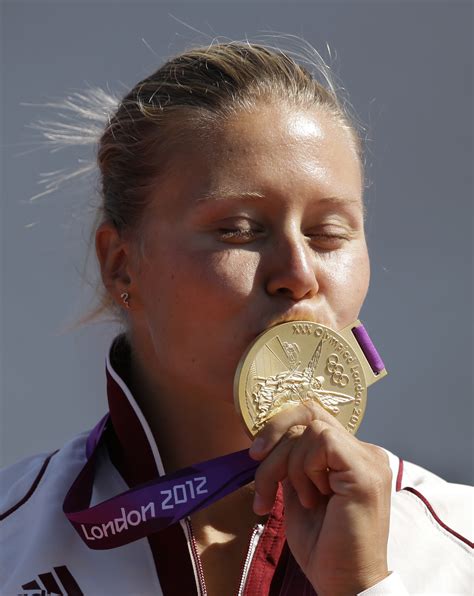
x=262, y=224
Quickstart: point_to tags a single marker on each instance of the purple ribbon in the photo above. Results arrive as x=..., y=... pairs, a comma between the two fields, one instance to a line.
x=154, y=505
x=370, y=351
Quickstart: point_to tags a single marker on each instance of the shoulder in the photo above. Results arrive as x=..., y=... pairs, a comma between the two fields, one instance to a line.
x=431, y=522
x=34, y=529
x=39, y=546
x=23, y=482
x=447, y=505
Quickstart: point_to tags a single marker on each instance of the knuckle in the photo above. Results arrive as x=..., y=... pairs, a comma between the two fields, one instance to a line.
x=318, y=427
x=380, y=454
x=311, y=409
x=294, y=432
x=268, y=433
x=323, y=432
x=316, y=413
x=376, y=456
x=382, y=463
x=308, y=411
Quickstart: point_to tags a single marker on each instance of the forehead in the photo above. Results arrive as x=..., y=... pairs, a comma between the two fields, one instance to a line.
x=270, y=150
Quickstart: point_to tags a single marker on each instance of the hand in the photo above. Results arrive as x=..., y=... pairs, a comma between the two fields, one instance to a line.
x=336, y=493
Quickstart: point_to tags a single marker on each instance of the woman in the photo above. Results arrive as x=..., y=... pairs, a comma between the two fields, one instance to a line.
x=232, y=185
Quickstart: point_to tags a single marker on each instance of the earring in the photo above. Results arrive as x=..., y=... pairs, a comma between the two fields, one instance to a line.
x=124, y=296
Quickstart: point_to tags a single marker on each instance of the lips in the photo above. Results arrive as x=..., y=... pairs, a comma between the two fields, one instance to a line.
x=288, y=317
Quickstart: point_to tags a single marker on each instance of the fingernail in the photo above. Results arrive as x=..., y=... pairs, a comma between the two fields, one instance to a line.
x=259, y=504
x=257, y=446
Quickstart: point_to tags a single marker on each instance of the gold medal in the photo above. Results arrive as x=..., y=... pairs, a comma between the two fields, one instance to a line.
x=303, y=362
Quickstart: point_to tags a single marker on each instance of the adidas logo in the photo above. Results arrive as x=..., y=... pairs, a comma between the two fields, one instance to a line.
x=59, y=581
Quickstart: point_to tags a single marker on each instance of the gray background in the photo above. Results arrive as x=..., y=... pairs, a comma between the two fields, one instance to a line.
x=408, y=69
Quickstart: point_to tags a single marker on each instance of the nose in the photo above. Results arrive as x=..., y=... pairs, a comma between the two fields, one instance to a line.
x=292, y=269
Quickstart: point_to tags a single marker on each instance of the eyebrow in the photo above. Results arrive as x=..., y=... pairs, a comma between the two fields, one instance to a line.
x=218, y=195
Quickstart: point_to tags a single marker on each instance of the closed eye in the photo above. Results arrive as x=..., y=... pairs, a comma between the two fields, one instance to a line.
x=328, y=241
x=236, y=235
x=238, y=231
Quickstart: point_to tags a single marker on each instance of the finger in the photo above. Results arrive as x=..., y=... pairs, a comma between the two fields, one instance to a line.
x=276, y=427
x=289, y=459
x=323, y=455
x=303, y=472
x=305, y=489
x=291, y=499
x=273, y=470
x=338, y=463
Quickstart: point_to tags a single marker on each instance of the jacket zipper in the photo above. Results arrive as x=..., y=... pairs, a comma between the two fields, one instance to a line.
x=197, y=559
x=256, y=533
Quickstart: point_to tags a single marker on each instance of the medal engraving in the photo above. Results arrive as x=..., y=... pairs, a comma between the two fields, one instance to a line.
x=298, y=363
x=336, y=370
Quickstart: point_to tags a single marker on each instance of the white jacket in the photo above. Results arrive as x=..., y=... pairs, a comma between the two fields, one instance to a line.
x=429, y=551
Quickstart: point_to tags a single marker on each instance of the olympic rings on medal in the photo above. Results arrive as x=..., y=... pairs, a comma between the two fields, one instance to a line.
x=337, y=371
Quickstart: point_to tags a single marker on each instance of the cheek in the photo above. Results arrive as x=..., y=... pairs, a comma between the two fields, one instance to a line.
x=346, y=281
x=184, y=284
x=230, y=274
x=202, y=299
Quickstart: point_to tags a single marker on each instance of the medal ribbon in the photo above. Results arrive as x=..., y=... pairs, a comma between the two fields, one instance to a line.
x=154, y=505
x=157, y=504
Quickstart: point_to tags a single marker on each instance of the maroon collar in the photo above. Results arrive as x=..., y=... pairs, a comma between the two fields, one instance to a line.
x=131, y=444
x=134, y=453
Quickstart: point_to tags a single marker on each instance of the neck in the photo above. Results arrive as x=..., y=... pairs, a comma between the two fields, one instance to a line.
x=186, y=428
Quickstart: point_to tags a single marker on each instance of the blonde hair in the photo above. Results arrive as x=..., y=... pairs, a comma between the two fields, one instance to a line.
x=188, y=97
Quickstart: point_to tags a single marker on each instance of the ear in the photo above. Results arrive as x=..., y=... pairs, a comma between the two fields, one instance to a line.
x=116, y=266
